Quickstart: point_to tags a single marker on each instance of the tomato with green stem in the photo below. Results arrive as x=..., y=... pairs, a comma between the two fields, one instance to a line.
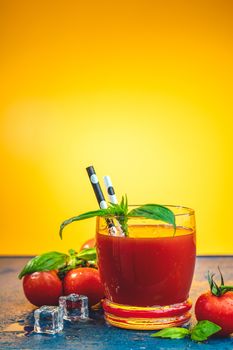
x=216, y=305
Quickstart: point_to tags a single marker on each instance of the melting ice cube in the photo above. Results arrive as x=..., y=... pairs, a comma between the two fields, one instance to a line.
x=75, y=307
x=48, y=319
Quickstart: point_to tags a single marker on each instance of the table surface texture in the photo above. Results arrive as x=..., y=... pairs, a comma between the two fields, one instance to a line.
x=16, y=318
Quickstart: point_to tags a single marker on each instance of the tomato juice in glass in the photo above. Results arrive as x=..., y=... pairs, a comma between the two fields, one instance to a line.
x=147, y=275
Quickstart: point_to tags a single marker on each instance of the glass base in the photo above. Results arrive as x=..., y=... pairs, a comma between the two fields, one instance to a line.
x=147, y=318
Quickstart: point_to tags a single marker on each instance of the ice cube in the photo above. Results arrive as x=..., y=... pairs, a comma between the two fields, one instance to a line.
x=75, y=307
x=48, y=319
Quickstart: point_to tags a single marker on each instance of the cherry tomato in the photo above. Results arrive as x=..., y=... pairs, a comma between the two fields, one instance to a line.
x=218, y=309
x=42, y=288
x=84, y=281
x=90, y=243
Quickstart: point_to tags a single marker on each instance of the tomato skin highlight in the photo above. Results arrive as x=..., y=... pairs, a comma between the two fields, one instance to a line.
x=84, y=281
x=42, y=288
x=217, y=309
x=90, y=243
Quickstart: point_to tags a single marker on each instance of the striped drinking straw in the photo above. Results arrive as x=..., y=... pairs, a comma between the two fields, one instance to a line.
x=110, y=190
x=100, y=197
x=112, y=198
x=96, y=187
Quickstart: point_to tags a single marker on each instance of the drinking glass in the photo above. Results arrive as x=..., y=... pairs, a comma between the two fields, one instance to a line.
x=147, y=275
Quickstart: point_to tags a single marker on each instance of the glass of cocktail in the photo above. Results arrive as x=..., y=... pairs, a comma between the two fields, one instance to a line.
x=148, y=273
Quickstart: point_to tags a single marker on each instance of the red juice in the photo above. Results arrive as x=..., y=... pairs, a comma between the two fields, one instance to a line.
x=156, y=269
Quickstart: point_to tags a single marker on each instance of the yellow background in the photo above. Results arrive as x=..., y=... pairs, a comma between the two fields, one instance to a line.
x=140, y=89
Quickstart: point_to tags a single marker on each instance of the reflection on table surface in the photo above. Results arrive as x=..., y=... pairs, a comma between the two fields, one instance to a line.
x=16, y=318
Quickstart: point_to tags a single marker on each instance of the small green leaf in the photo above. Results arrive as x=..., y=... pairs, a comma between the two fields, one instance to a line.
x=72, y=252
x=214, y=288
x=156, y=212
x=118, y=209
x=225, y=289
x=88, y=254
x=203, y=330
x=45, y=262
x=172, y=333
x=222, y=280
x=89, y=214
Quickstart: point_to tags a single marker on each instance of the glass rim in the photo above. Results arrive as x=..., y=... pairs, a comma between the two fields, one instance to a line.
x=186, y=211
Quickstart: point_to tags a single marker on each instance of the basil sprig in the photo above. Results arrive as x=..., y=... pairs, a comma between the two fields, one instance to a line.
x=45, y=262
x=60, y=261
x=122, y=213
x=172, y=333
x=202, y=331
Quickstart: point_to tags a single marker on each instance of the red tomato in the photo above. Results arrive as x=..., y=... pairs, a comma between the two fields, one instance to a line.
x=90, y=243
x=84, y=281
x=218, y=309
x=42, y=288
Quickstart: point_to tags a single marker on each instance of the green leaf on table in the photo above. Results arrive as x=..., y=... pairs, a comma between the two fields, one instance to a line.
x=172, y=333
x=156, y=212
x=203, y=330
x=45, y=262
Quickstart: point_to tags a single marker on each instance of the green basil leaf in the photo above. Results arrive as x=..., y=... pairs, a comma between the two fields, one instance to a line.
x=172, y=333
x=72, y=252
x=203, y=330
x=156, y=212
x=88, y=254
x=45, y=262
x=89, y=214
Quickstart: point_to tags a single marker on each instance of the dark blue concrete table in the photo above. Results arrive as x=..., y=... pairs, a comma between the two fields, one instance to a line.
x=16, y=318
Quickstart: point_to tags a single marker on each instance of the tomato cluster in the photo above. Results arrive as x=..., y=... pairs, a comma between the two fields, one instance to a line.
x=45, y=287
